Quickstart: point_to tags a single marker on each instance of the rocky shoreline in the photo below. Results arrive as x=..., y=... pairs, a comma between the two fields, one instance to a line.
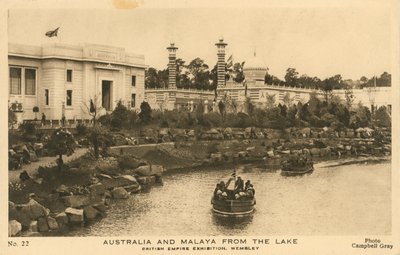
x=56, y=201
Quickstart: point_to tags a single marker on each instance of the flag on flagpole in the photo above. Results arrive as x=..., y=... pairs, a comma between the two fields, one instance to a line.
x=52, y=33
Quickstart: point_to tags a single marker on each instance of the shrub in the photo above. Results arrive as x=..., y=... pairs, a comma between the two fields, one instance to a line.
x=81, y=129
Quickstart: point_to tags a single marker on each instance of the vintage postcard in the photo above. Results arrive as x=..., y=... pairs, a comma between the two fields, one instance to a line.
x=152, y=127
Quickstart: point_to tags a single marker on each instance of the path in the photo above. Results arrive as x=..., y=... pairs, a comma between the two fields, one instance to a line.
x=32, y=168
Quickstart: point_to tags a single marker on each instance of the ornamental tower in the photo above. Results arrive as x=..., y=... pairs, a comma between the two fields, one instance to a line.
x=221, y=79
x=172, y=66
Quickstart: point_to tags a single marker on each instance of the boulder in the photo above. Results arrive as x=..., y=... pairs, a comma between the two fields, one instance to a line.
x=146, y=180
x=243, y=154
x=97, y=189
x=33, y=226
x=270, y=154
x=340, y=146
x=306, y=152
x=90, y=212
x=74, y=215
x=249, y=149
x=35, y=210
x=42, y=224
x=14, y=228
x=52, y=223
x=315, y=151
x=100, y=207
x=76, y=201
x=62, y=219
x=120, y=193
x=325, y=152
x=216, y=157
x=149, y=170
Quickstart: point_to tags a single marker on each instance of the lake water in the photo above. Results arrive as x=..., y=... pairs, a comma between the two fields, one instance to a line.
x=339, y=200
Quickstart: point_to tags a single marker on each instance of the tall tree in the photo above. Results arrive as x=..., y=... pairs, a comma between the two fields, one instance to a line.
x=291, y=77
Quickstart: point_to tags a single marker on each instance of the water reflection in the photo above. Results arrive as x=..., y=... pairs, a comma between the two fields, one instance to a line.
x=232, y=222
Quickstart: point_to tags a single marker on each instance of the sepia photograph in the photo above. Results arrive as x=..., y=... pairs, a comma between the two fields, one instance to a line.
x=226, y=123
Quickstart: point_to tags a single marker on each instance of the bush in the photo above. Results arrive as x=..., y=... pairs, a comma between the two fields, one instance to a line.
x=81, y=129
x=105, y=120
x=28, y=128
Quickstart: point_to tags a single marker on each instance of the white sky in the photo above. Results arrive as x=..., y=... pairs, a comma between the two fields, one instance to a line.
x=317, y=41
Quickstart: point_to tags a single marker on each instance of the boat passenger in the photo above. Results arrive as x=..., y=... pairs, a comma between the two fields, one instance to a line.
x=217, y=188
x=239, y=185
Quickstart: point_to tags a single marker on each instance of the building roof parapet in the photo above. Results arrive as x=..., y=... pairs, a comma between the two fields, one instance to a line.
x=88, y=52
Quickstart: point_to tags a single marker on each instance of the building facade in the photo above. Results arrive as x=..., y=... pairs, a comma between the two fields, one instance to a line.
x=61, y=79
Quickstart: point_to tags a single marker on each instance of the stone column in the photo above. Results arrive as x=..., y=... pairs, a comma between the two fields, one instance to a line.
x=172, y=66
x=221, y=63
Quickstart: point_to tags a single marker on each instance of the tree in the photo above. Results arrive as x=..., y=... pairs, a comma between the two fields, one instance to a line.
x=291, y=77
x=99, y=139
x=221, y=107
x=62, y=142
x=349, y=97
x=287, y=100
x=249, y=106
x=145, y=112
x=270, y=100
x=93, y=108
x=382, y=118
x=120, y=116
x=151, y=80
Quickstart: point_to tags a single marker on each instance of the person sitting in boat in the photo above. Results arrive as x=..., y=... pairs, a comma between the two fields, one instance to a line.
x=217, y=190
x=239, y=185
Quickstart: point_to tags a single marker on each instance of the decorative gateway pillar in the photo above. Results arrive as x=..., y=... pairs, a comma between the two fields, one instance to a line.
x=171, y=100
x=172, y=66
x=221, y=79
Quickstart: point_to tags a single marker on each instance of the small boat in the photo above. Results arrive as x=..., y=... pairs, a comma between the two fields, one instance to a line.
x=236, y=207
x=291, y=169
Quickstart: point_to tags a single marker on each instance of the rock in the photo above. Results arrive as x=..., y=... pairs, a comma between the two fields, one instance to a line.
x=35, y=210
x=287, y=152
x=63, y=190
x=340, y=146
x=53, y=225
x=120, y=193
x=104, y=176
x=22, y=216
x=14, y=228
x=216, y=157
x=90, y=212
x=249, y=149
x=144, y=180
x=242, y=154
x=33, y=226
x=97, y=189
x=74, y=215
x=306, y=152
x=38, y=146
x=62, y=219
x=11, y=205
x=348, y=147
x=100, y=207
x=270, y=154
x=149, y=170
x=315, y=151
x=325, y=152
x=42, y=224
x=76, y=201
